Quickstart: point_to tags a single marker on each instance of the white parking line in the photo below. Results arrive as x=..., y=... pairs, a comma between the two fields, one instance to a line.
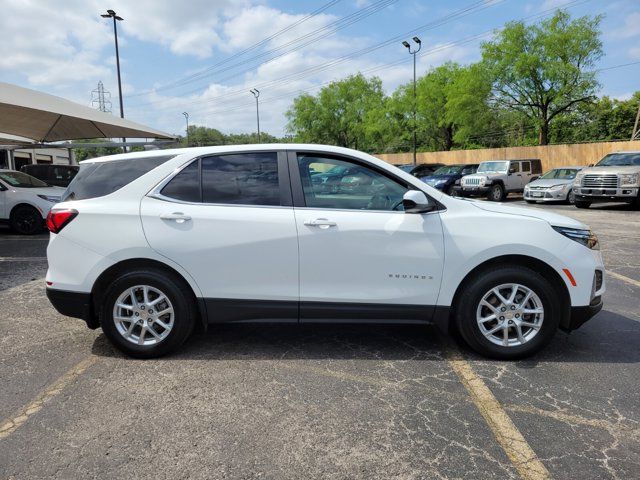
x=623, y=278
x=22, y=259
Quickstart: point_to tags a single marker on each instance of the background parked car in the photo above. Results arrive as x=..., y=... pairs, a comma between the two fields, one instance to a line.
x=57, y=175
x=25, y=201
x=420, y=170
x=498, y=178
x=615, y=178
x=445, y=178
x=555, y=185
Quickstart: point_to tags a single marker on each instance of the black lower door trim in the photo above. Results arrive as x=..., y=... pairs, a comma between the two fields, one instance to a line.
x=223, y=310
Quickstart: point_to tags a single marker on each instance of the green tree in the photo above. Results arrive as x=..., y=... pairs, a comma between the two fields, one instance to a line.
x=545, y=70
x=339, y=115
x=93, y=152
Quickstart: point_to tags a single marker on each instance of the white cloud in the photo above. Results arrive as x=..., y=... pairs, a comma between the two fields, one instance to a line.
x=630, y=28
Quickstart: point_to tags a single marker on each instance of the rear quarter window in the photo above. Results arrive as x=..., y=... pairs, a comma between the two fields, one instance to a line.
x=102, y=178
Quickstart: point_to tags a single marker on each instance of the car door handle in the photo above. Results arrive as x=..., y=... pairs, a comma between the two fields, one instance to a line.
x=320, y=222
x=179, y=217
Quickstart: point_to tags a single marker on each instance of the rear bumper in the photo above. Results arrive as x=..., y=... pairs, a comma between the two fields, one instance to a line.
x=73, y=304
x=580, y=315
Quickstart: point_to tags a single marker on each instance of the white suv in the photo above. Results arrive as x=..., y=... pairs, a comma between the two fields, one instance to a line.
x=25, y=201
x=150, y=245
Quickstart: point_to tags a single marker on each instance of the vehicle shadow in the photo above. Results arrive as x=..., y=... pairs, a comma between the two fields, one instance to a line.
x=608, y=338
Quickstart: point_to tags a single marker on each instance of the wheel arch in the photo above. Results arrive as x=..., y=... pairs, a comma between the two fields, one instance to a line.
x=547, y=271
x=24, y=204
x=109, y=274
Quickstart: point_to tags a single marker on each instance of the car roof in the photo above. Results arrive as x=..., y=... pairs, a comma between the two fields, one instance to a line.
x=578, y=167
x=198, y=151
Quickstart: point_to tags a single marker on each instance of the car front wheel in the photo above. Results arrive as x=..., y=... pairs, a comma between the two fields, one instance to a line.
x=26, y=220
x=581, y=204
x=147, y=313
x=508, y=312
x=496, y=194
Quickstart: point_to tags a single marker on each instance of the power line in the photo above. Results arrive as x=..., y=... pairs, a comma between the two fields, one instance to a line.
x=474, y=7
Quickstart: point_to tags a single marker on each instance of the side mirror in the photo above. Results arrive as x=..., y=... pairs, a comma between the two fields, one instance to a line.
x=2, y=188
x=512, y=170
x=415, y=201
x=591, y=164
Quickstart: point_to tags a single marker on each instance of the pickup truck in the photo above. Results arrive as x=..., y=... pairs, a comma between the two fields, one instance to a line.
x=615, y=178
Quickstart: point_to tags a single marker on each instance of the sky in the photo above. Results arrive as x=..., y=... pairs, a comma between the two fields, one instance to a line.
x=203, y=56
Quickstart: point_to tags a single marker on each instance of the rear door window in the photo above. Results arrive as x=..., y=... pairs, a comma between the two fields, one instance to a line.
x=185, y=186
x=102, y=178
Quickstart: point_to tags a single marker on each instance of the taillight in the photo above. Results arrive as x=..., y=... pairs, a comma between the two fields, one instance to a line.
x=58, y=219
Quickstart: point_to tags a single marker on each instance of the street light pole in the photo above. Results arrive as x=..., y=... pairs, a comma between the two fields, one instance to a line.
x=256, y=94
x=186, y=117
x=413, y=54
x=116, y=18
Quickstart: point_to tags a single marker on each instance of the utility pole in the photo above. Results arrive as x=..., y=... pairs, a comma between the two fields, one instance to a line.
x=101, y=98
x=186, y=117
x=116, y=18
x=256, y=94
x=636, y=134
x=413, y=53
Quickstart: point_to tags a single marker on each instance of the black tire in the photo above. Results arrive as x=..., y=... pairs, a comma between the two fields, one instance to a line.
x=497, y=193
x=451, y=191
x=26, y=220
x=530, y=201
x=582, y=204
x=176, y=290
x=571, y=198
x=477, y=287
x=635, y=205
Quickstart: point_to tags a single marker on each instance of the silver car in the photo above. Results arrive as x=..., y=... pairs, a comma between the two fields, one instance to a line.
x=554, y=186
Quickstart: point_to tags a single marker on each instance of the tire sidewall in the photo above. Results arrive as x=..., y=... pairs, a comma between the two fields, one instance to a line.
x=183, y=307
x=466, y=311
x=496, y=188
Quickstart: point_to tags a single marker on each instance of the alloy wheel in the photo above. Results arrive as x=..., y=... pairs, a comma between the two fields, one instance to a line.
x=143, y=315
x=510, y=315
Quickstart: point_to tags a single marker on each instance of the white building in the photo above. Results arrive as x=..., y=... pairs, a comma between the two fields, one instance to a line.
x=16, y=158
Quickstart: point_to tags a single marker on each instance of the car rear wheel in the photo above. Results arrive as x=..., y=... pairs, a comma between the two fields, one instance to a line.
x=508, y=312
x=147, y=313
x=26, y=220
x=581, y=204
x=497, y=194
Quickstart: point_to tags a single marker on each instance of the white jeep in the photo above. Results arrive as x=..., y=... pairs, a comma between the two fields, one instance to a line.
x=495, y=179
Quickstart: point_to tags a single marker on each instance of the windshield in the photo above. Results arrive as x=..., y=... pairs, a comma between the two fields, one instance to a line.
x=560, y=174
x=486, y=167
x=620, y=160
x=448, y=170
x=22, y=180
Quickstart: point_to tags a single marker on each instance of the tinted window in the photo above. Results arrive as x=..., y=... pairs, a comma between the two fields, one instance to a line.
x=185, y=185
x=469, y=170
x=526, y=166
x=102, y=178
x=536, y=166
x=336, y=183
x=241, y=179
x=514, y=166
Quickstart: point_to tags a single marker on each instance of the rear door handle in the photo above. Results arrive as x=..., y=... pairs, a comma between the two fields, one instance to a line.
x=179, y=217
x=320, y=222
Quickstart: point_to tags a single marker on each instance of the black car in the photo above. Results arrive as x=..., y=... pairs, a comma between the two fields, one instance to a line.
x=57, y=175
x=447, y=177
x=420, y=170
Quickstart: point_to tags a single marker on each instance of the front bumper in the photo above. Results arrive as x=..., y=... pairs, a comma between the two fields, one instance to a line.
x=472, y=191
x=579, y=315
x=545, y=195
x=625, y=194
x=73, y=304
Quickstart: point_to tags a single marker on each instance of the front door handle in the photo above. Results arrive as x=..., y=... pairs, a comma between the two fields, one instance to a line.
x=179, y=217
x=320, y=222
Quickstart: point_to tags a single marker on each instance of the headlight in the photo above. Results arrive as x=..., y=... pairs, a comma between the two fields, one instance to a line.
x=441, y=182
x=578, y=179
x=557, y=188
x=50, y=198
x=629, y=180
x=585, y=237
x=483, y=182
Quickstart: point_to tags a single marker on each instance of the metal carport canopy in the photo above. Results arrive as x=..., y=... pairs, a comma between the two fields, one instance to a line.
x=47, y=118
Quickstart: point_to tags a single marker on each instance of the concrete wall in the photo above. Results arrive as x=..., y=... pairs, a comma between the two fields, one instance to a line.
x=551, y=155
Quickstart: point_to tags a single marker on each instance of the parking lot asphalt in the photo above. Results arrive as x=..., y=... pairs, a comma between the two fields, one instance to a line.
x=320, y=401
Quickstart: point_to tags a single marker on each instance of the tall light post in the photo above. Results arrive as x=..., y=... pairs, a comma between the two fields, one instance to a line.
x=413, y=53
x=186, y=117
x=256, y=94
x=116, y=18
